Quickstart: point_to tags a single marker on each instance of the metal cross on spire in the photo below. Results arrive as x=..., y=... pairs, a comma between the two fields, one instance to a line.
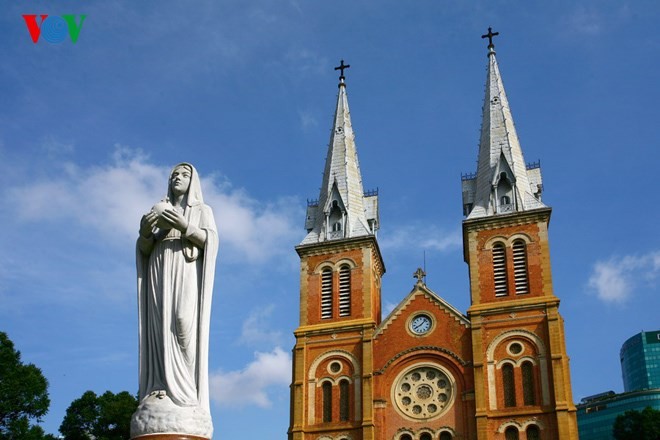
x=490, y=36
x=341, y=67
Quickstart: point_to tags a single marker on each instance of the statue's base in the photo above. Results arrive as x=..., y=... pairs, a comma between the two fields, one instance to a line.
x=158, y=418
x=168, y=437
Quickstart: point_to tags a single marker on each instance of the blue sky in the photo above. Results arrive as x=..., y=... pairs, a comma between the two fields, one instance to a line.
x=246, y=91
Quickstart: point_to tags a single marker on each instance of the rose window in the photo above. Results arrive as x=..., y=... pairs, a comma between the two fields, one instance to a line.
x=423, y=392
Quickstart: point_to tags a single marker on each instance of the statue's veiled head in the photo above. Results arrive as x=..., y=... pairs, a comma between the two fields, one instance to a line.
x=184, y=179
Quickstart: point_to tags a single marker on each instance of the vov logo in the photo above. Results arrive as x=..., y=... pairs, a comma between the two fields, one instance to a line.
x=54, y=28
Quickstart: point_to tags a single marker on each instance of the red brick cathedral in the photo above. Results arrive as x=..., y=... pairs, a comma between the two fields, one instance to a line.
x=428, y=371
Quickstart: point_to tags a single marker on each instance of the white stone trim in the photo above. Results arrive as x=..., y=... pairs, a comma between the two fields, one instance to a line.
x=541, y=361
x=313, y=383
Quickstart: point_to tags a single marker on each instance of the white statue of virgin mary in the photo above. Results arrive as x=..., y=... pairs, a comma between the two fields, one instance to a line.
x=176, y=254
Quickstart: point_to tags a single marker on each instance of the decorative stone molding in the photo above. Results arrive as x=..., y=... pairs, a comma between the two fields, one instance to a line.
x=422, y=348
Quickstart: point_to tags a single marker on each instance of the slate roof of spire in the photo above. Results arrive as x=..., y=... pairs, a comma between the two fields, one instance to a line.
x=499, y=150
x=342, y=181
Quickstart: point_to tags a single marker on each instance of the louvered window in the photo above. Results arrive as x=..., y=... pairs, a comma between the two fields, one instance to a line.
x=499, y=270
x=520, y=267
x=343, y=400
x=529, y=392
x=326, y=294
x=509, y=385
x=327, y=402
x=345, y=291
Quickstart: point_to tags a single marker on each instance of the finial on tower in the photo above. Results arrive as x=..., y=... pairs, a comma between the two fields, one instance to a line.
x=341, y=67
x=490, y=35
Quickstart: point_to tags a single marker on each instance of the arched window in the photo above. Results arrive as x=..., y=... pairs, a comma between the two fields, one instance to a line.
x=326, y=294
x=511, y=433
x=343, y=400
x=425, y=436
x=345, y=291
x=533, y=433
x=445, y=435
x=499, y=270
x=504, y=191
x=335, y=220
x=529, y=392
x=405, y=437
x=509, y=385
x=327, y=402
x=520, y=267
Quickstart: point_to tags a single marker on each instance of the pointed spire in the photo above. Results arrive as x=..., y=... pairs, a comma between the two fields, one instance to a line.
x=503, y=182
x=343, y=210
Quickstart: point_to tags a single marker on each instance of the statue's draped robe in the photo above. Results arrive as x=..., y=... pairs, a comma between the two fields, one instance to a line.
x=175, y=284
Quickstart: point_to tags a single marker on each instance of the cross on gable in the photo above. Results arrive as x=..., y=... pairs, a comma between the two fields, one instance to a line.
x=490, y=36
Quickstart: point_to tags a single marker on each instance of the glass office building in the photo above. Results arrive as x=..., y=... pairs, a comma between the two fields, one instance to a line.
x=640, y=367
x=640, y=361
x=596, y=415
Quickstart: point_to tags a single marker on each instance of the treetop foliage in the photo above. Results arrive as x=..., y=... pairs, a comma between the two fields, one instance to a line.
x=23, y=394
x=104, y=417
x=638, y=425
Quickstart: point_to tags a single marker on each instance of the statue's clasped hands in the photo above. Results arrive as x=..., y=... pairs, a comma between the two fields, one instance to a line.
x=175, y=218
x=169, y=218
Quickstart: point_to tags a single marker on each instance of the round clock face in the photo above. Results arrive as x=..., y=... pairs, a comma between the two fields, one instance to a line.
x=420, y=324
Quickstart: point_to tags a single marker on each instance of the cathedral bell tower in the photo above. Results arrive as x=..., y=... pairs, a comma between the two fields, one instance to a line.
x=521, y=372
x=340, y=276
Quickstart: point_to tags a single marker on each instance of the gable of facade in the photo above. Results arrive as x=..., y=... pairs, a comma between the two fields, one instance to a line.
x=423, y=382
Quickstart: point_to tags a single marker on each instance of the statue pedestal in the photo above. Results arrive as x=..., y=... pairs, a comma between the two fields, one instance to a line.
x=168, y=437
x=158, y=418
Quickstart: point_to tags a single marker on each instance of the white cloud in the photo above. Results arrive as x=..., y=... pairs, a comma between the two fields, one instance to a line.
x=306, y=61
x=614, y=280
x=307, y=120
x=418, y=237
x=112, y=198
x=250, y=385
x=255, y=328
x=584, y=21
x=388, y=307
x=54, y=147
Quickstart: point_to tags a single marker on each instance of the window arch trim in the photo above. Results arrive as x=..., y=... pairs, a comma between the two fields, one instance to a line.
x=537, y=342
x=507, y=241
x=312, y=383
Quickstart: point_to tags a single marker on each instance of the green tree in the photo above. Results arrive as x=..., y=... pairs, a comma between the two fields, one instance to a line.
x=23, y=395
x=636, y=425
x=105, y=417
